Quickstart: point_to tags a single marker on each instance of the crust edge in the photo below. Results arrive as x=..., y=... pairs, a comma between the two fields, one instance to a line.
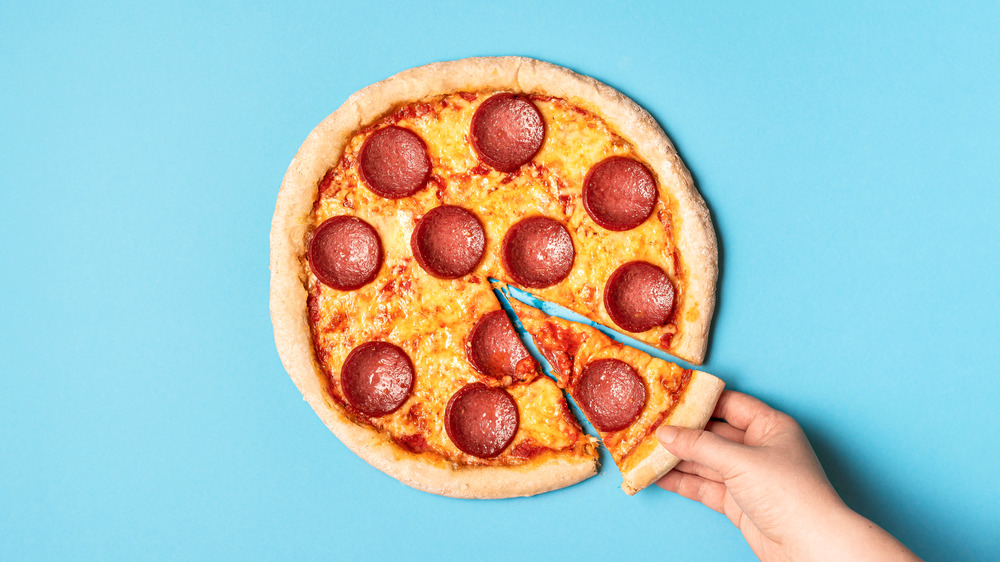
x=693, y=411
x=463, y=482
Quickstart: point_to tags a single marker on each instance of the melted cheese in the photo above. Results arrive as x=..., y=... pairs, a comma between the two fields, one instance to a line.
x=431, y=318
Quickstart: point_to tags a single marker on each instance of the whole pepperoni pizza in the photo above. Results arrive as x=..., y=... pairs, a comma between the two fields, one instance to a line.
x=399, y=208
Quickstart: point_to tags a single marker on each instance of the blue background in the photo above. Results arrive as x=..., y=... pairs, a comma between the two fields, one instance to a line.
x=849, y=157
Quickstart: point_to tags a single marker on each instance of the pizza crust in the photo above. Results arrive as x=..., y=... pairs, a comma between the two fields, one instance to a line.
x=323, y=149
x=443, y=478
x=693, y=411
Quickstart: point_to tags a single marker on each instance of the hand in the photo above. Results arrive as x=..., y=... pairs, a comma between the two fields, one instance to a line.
x=758, y=469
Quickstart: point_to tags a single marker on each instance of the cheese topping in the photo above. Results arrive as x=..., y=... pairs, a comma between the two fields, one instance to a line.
x=430, y=318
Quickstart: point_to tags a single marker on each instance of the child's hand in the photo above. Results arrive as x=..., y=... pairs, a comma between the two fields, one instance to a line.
x=758, y=469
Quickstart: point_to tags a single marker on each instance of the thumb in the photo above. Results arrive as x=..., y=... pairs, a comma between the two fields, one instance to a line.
x=703, y=447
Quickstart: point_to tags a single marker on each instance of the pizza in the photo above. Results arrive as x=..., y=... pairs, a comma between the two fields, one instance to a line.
x=399, y=208
x=625, y=393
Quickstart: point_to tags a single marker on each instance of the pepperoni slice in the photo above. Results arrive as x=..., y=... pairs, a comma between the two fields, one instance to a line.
x=611, y=393
x=377, y=378
x=639, y=296
x=345, y=253
x=448, y=242
x=493, y=347
x=507, y=131
x=619, y=193
x=393, y=162
x=481, y=420
x=537, y=252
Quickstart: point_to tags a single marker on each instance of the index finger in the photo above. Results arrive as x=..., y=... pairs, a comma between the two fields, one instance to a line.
x=740, y=409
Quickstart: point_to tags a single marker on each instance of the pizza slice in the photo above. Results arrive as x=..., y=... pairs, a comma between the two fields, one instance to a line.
x=625, y=394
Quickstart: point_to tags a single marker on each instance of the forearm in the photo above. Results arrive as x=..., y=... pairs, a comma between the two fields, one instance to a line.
x=846, y=535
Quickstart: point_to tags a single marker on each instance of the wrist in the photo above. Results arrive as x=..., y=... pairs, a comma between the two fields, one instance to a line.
x=820, y=528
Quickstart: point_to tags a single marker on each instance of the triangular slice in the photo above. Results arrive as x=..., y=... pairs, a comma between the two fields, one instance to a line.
x=626, y=394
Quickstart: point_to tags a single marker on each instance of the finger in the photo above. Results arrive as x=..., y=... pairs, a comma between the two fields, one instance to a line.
x=695, y=488
x=698, y=470
x=740, y=409
x=703, y=447
x=725, y=430
x=719, y=428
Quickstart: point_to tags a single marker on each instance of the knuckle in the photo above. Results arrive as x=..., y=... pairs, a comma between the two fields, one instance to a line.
x=699, y=440
x=703, y=490
x=774, y=420
x=691, y=487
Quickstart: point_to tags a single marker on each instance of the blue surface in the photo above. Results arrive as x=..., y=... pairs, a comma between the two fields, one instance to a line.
x=849, y=157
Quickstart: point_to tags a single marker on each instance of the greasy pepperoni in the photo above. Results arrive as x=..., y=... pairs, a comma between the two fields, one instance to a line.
x=345, y=253
x=507, y=131
x=481, y=420
x=611, y=393
x=493, y=347
x=448, y=242
x=537, y=252
x=639, y=296
x=377, y=378
x=619, y=193
x=393, y=162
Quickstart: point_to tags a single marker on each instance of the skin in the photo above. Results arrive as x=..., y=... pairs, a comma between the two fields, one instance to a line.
x=758, y=469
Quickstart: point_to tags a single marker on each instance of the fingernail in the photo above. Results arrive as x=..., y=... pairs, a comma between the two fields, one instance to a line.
x=666, y=434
